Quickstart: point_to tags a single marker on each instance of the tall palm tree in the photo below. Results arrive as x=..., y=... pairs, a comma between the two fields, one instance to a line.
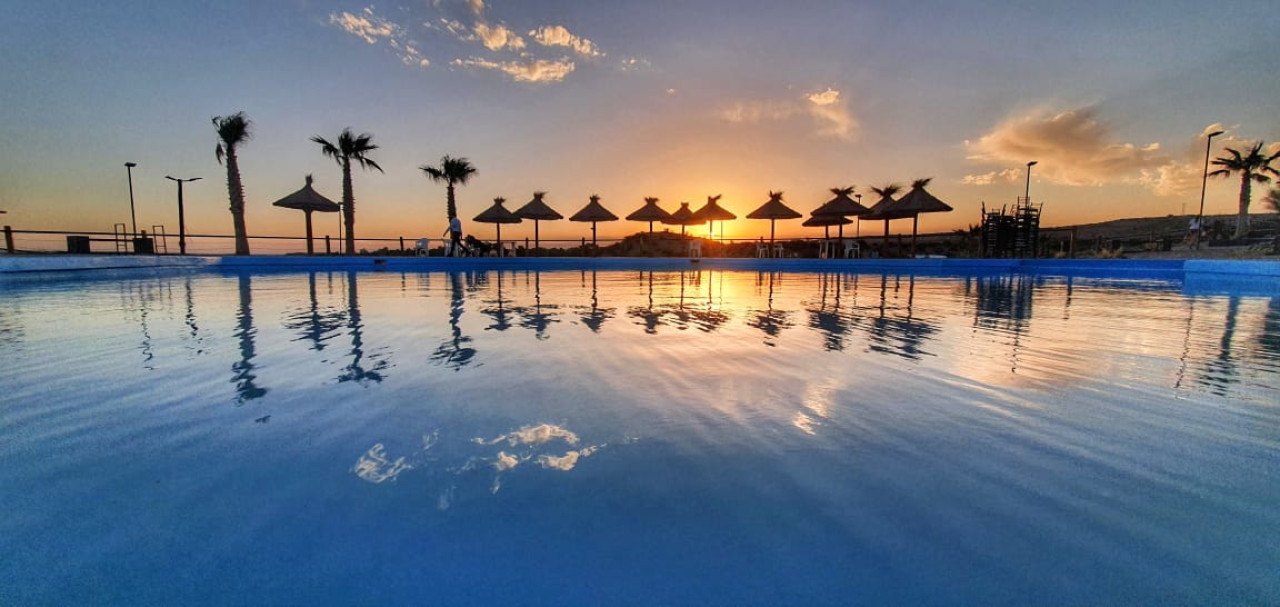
x=349, y=148
x=452, y=171
x=233, y=131
x=1252, y=166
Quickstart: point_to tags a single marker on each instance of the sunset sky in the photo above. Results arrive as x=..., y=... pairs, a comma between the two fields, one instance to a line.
x=678, y=100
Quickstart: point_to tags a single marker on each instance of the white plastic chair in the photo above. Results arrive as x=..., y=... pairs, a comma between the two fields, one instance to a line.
x=695, y=248
x=852, y=250
x=824, y=249
x=762, y=250
x=778, y=251
x=422, y=248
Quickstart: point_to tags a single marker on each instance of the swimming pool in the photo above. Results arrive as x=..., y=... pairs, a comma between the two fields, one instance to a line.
x=672, y=436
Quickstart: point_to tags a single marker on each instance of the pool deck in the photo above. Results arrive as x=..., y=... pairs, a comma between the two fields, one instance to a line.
x=1261, y=276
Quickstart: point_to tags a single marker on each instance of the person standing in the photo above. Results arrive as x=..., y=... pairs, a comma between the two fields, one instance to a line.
x=455, y=236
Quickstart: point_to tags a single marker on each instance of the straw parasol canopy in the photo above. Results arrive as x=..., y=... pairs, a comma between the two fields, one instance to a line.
x=594, y=212
x=915, y=202
x=773, y=210
x=682, y=217
x=881, y=210
x=497, y=215
x=842, y=206
x=650, y=212
x=712, y=212
x=537, y=210
x=825, y=222
x=308, y=201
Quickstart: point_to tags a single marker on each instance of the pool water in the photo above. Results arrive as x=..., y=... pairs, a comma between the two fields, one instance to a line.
x=633, y=437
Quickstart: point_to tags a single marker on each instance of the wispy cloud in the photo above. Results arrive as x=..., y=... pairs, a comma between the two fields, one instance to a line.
x=528, y=70
x=1073, y=147
x=371, y=28
x=558, y=35
x=1005, y=176
x=830, y=113
x=631, y=64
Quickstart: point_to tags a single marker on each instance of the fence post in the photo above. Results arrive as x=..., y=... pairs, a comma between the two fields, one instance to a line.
x=8, y=239
x=327, y=250
x=402, y=244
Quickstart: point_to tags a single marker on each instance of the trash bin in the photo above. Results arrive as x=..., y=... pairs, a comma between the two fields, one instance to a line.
x=78, y=245
x=144, y=246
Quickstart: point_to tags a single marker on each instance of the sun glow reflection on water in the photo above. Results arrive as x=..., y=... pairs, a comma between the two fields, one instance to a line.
x=923, y=438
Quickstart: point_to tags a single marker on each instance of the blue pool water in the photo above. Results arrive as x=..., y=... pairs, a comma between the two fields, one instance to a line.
x=632, y=437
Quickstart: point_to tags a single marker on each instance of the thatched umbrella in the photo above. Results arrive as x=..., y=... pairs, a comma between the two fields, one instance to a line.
x=841, y=206
x=682, y=217
x=825, y=222
x=497, y=215
x=650, y=212
x=308, y=201
x=882, y=209
x=915, y=202
x=773, y=210
x=537, y=210
x=712, y=212
x=594, y=212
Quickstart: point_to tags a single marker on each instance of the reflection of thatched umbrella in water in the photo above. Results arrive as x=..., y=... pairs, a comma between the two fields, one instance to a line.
x=246, y=390
x=908, y=332
x=356, y=371
x=497, y=215
x=535, y=318
x=595, y=316
x=915, y=202
x=497, y=312
x=841, y=206
x=537, y=210
x=770, y=321
x=831, y=321
x=713, y=212
x=317, y=325
x=593, y=212
x=308, y=201
x=650, y=212
x=880, y=210
x=682, y=217
x=773, y=210
x=454, y=352
x=649, y=317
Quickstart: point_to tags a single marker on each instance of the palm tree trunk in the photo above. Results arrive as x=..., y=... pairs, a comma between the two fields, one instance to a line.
x=348, y=206
x=1246, y=192
x=235, y=190
x=452, y=206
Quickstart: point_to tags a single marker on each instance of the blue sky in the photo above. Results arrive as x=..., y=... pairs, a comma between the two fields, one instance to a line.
x=678, y=100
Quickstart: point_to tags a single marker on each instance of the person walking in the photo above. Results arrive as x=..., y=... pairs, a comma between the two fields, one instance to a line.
x=455, y=236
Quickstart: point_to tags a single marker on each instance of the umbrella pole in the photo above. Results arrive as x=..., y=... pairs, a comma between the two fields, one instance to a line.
x=310, y=247
x=593, y=233
x=772, y=225
x=499, y=242
x=537, y=246
x=915, y=222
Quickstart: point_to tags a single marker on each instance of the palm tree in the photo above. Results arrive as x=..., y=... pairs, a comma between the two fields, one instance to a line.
x=1253, y=166
x=233, y=131
x=452, y=171
x=349, y=148
x=1272, y=199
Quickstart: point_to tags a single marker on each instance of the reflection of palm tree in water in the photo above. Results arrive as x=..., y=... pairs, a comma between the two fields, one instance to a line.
x=770, y=321
x=356, y=371
x=315, y=324
x=455, y=352
x=246, y=390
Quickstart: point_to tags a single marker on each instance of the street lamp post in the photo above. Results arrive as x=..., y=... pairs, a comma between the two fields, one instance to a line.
x=858, y=224
x=182, y=220
x=1026, y=195
x=1204, y=181
x=128, y=166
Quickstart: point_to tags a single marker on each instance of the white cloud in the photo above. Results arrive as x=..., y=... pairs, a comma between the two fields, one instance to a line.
x=558, y=35
x=631, y=64
x=367, y=26
x=497, y=37
x=371, y=28
x=531, y=70
x=1007, y=175
x=828, y=111
x=477, y=7
x=1072, y=147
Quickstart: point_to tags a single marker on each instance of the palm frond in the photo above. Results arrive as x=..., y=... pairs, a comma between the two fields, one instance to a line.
x=843, y=191
x=715, y=198
x=651, y=199
x=920, y=183
x=775, y=195
x=889, y=190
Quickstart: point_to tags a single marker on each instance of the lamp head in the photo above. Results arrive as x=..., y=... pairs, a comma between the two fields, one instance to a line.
x=131, y=164
x=1033, y=163
x=1214, y=134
